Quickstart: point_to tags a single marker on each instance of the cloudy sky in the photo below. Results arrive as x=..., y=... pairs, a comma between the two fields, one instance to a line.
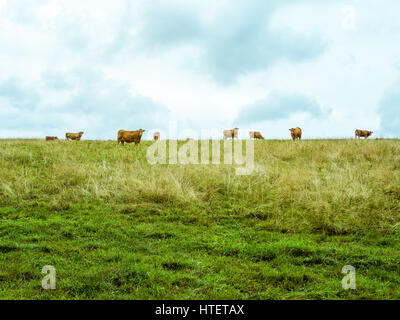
x=98, y=66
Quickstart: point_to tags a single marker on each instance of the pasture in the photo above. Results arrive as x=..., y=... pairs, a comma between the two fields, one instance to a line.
x=116, y=227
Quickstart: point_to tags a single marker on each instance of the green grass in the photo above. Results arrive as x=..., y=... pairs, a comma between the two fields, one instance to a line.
x=115, y=227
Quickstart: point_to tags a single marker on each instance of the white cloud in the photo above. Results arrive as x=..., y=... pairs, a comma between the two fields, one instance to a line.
x=219, y=59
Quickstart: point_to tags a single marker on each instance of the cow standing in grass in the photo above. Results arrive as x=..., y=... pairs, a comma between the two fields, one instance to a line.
x=363, y=133
x=255, y=135
x=296, y=133
x=51, y=138
x=231, y=133
x=74, y=136
x=130, y=136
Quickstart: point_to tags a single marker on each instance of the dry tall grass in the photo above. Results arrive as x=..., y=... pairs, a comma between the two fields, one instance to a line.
x=334, y=186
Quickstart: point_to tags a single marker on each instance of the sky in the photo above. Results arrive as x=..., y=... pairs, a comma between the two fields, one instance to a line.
x=199, y=66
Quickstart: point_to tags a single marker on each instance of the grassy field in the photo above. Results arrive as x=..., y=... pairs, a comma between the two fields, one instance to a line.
x=115, y=227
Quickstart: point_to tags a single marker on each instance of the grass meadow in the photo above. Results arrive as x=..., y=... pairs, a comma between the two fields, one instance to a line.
x=116, y=227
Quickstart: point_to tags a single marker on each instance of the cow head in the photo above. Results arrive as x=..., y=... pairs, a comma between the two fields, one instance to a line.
x=141, y=131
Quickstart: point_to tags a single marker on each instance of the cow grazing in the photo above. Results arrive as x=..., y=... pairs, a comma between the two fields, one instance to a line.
x=130, y=136
x=255, y=135
x=296, y=133
x=51, y=138
x=156, y=136
x=231, y=133
x=363, y=133
x=74, y=136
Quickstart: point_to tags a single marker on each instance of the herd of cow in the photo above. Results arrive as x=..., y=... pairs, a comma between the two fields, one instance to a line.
x=135, y=136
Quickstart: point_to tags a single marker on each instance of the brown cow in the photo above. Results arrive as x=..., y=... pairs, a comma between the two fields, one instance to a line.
x=74, y=136
x=296, y=133
x=255, y=135
x=156, y=136
x=51, y=138
x=130, y=136
x=231, y=133
x=363, y=133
